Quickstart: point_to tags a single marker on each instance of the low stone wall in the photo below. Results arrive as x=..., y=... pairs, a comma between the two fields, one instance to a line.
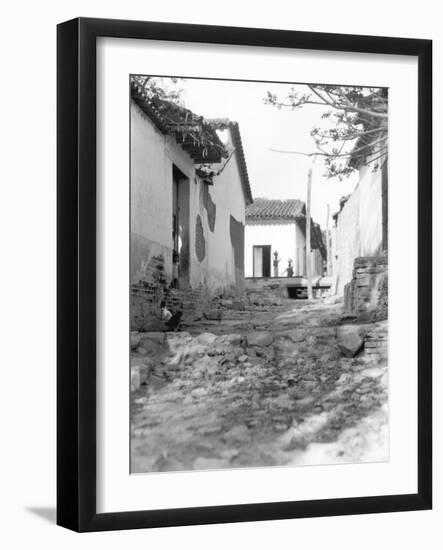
x=147, y=295
x=367, y=293
x=145, y=306
x=376, y=341
x=279, y=285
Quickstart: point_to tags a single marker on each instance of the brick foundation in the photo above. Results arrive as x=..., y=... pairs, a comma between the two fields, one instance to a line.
x=376, y=341
x=147, y=295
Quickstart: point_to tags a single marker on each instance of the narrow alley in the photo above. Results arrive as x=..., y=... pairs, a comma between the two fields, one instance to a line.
x=271, y=381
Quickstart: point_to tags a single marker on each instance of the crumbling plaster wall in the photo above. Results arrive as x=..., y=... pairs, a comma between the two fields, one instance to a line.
x=153, y=156
x=218, y=269
x=358, y=230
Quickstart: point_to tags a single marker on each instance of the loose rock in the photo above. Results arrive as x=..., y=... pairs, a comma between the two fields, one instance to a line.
x=259, y=338
x=207, y=338
x=349, y=340
x=237, y=433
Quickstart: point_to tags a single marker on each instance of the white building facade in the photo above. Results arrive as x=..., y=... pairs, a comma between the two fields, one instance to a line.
x=188, y=199
x=360, y=228
x=275, y=226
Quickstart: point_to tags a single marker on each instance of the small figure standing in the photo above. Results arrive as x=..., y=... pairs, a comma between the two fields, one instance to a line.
x=171, y=320
x=290, y=269
x=275, y=263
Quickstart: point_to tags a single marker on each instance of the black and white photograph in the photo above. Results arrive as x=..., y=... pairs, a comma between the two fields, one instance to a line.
x=258, y=274
x=222, y=299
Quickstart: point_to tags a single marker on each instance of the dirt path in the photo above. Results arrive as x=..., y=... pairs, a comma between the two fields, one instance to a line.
x=262, y=388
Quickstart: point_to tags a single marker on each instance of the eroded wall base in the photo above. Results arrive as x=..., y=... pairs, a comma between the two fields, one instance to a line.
x=367, y=293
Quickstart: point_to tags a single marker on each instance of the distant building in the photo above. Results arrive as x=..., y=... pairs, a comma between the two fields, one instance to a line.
x=189, y=190
x=280, y=226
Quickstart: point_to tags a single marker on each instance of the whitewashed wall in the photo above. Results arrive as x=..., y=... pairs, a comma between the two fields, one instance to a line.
x=218, y=270
x=359, y=230
x=370, y=212
x=281, y=235
x=152, y=159
x=288, y=239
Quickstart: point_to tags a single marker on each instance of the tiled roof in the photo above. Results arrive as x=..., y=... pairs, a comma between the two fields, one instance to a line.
x=291, y=209
x=240, y=154
x=192, y=132
x=273, y=209
x=195, y=134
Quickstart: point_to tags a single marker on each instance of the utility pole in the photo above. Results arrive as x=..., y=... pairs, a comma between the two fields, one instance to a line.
x=308, y=221
x=308, y=234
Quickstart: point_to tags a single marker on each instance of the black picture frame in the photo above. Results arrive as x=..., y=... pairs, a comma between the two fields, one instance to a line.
x=76, y=265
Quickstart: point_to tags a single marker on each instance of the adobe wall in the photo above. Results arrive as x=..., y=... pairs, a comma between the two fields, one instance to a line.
x=359, y=227
x=216, y=222
x=217, y=214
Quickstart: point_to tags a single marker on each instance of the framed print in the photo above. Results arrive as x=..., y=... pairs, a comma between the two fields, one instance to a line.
x=244, y=274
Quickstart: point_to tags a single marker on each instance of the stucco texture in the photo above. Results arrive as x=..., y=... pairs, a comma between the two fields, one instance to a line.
x=281, y=235
x=358, y=231
x=285, y=237
x=153, y=156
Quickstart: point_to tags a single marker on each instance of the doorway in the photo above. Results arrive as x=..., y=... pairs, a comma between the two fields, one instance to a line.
x=261, y=260
x=297, y=292
x=180, y=228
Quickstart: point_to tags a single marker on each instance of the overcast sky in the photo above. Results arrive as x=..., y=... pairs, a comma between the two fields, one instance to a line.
x=264, y=127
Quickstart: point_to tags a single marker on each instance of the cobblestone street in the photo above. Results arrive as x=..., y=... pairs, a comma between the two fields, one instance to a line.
x=287, y=383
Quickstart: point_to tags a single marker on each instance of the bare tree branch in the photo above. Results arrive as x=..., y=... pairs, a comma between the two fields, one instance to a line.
x=326, y=154
x=348, y=105
x=359, y=114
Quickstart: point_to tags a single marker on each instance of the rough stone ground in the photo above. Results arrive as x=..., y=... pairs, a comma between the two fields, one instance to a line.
x=265, y=386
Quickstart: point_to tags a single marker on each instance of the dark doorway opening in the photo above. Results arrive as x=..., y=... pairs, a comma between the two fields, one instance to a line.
x=180, y=228
x=262, y=260
x=297, y=293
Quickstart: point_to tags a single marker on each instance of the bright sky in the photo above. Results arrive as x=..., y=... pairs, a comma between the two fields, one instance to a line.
x=264, y=127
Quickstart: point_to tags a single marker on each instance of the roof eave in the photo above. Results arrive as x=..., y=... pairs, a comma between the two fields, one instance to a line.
x=199, y=153
x=240, y=156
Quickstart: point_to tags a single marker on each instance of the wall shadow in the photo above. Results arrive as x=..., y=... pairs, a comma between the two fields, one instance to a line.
x=45, y=512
